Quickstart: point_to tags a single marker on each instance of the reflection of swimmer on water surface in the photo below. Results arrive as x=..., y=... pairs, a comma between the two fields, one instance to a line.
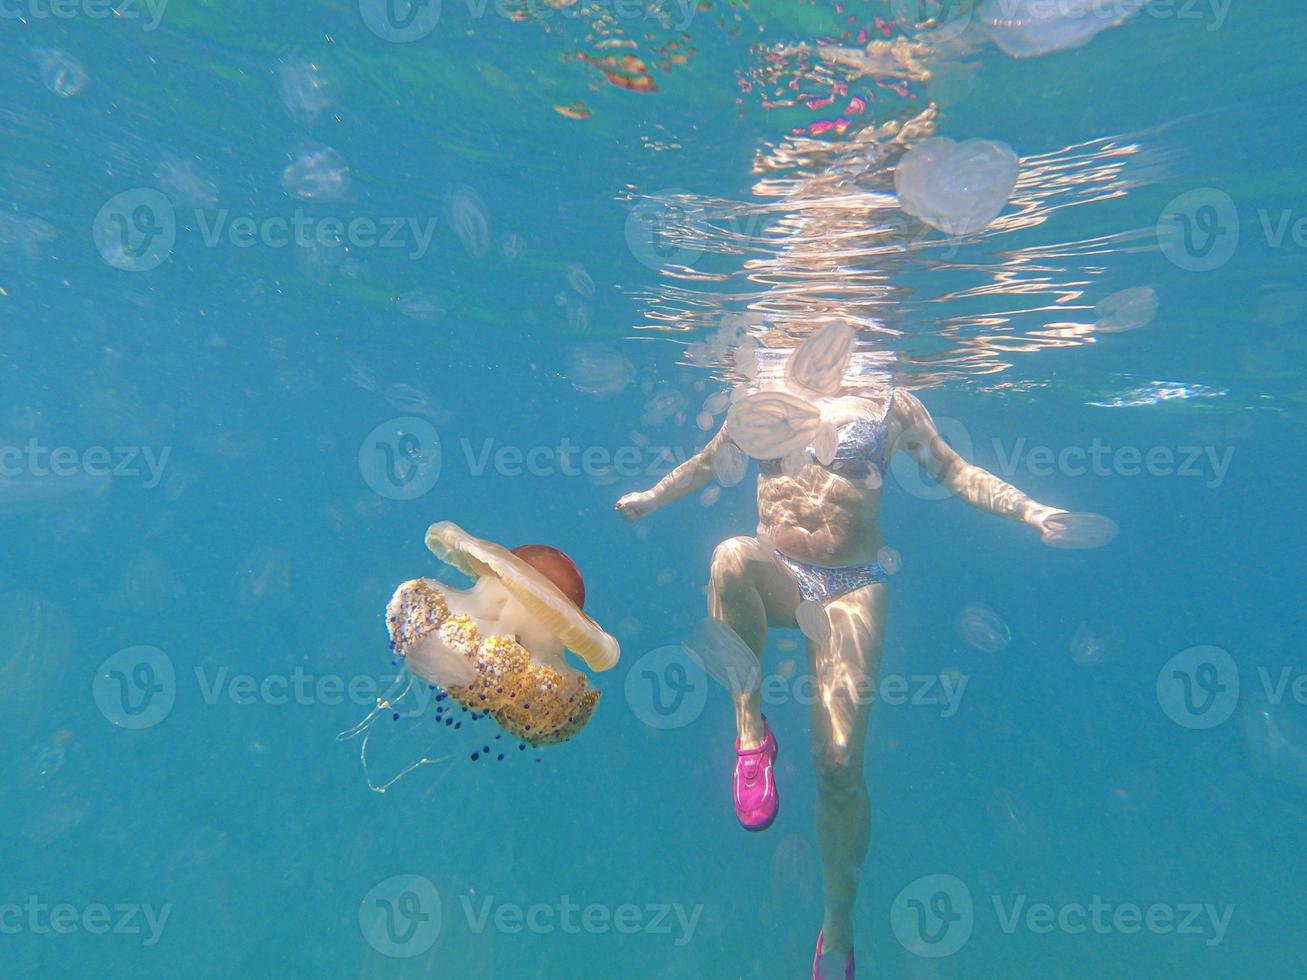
x=824, y=437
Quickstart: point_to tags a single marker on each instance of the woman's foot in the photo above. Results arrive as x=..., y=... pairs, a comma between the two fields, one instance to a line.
x=826, y=966
x=756, y=801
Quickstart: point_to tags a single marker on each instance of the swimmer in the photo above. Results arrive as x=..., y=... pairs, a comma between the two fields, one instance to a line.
x=819, y=544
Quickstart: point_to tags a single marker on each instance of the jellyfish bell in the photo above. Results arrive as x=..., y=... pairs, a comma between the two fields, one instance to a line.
x=557, y=567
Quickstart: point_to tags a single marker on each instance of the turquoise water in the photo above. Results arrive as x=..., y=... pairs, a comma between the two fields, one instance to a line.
x=208, y=499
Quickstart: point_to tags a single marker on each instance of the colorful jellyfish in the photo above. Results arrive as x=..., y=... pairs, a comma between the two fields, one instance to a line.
x=496, y=650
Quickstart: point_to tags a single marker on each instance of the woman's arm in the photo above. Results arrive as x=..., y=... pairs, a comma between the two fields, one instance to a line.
x=694, y=473
x=976, y=486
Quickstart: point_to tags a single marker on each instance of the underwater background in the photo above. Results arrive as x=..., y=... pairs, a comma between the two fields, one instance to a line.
x=521, y=227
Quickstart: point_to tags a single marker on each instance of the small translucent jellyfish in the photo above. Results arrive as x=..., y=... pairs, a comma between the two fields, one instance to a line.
x=819, y=363
x=578, y=313
x=1079, y=531
x=61, y=73
x=1029, y=28
x=704, y=421
x=316, y=173
x=794, y=873
x=496, y=650
x=813, y=621
x=25, y=235
x=666, y=577
x=1017, y=827
x=511, y=246
x=305, y=90
x=982, y=628
x=745, y=358
x=716, y=403
x=149, y=584
x=667, y=403
x=1089, y=647
x=579, y=279
x=422, y=304
x=37, y=643
x=729, y=465
x=184, y=184
x=360, y=374
x=889, y=559
x=770, y=424
x=263, y=579
x=599, y=370
x=956, y=188
x=874, y=480
x=1129, y=309
x=1275, y=736
x=727, y=658
x=466, y=214
x=710, y=496
x=411, y=400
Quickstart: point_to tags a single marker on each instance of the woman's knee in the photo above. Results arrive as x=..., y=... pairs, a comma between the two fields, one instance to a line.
x=839, y=771
x=730, y=559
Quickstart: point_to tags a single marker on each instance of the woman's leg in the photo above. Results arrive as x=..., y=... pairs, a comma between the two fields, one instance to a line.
x=749, y=590
x=845, y=670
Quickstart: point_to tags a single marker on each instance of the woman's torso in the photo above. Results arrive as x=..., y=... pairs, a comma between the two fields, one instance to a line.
x=828, y=515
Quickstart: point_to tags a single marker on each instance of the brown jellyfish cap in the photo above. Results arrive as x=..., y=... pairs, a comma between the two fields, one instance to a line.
x=533, y=588
x=556, y=566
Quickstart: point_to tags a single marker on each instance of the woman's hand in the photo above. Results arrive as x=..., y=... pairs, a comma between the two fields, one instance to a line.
x=1067, y=529
x=1038, y=518
x=636, y=505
